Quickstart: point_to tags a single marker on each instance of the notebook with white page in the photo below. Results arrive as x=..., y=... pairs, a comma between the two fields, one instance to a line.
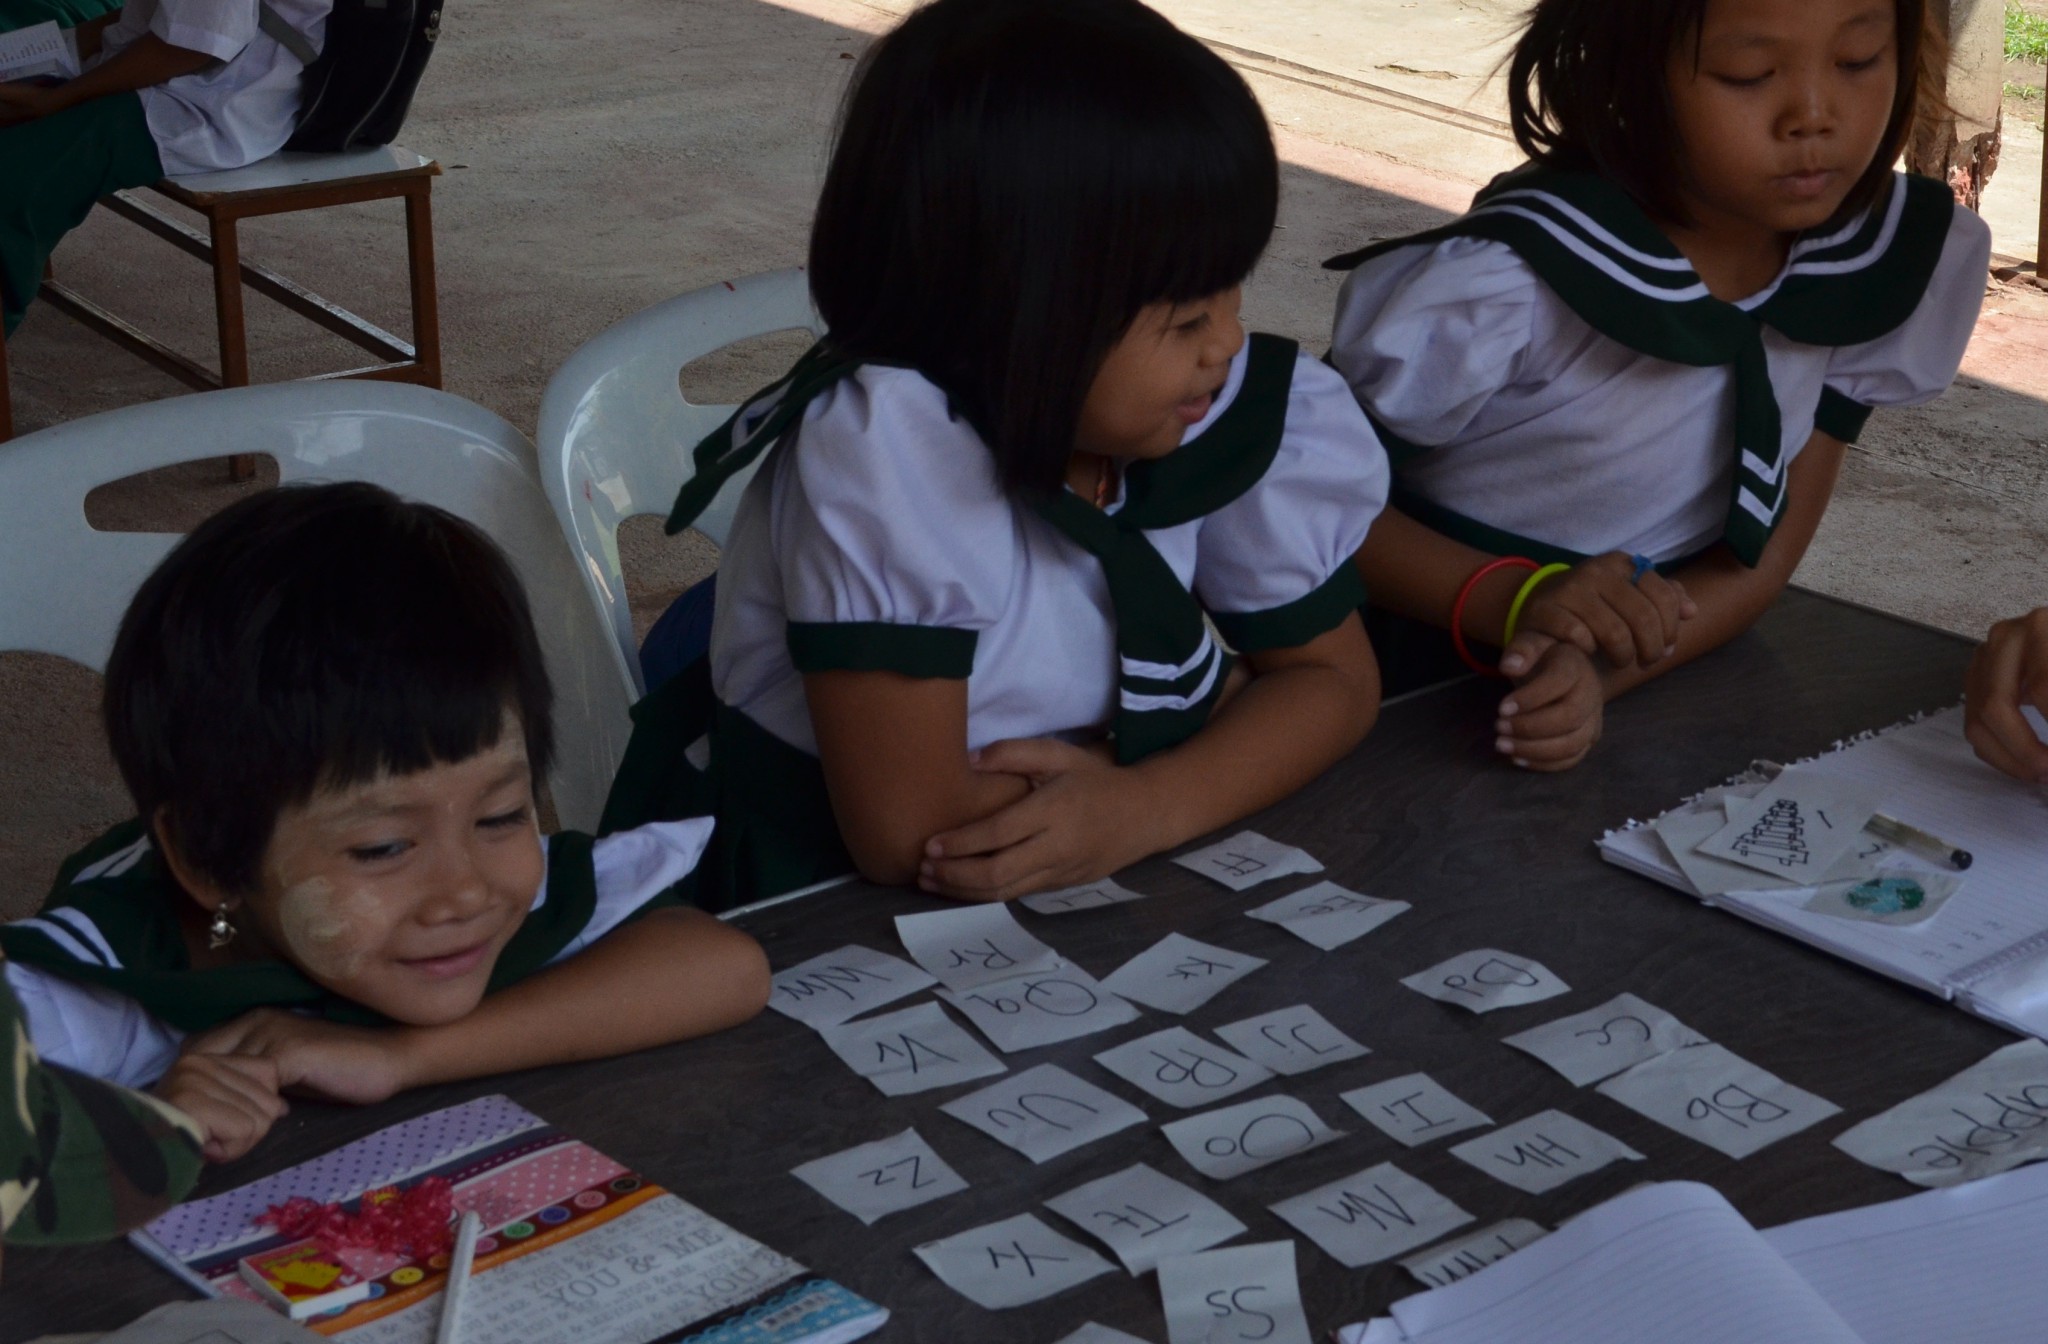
x=1676, y=1264
x=1987, y=948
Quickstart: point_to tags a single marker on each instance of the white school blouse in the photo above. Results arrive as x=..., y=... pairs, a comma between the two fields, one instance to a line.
x=1532, y=422
x=885, y=507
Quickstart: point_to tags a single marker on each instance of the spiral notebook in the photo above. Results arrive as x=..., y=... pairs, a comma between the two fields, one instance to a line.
x=1986, y=949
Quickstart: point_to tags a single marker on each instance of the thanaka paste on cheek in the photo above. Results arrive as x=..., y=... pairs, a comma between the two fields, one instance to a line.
x=329, y=931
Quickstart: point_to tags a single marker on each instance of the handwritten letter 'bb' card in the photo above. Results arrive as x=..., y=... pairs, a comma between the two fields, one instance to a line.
x=1796, y=828
x=1543, y=1152
x=1989, y=1118
x=1485, y=979
x=1010, y=1263
x=827, y=990
x=1044, y=1112
x=1372, y=1216
x=1144, y=1216
x=1239, y=1293
x=1177, y=974
x=1327, y=916
x=1247, y=859
x=1600, y=1042
x=973, y=945
x=1042, y=1008
x=1182, y=1069
x=881, y=1178
x=1226, y=1143
x=1713, y=1095
x=1290, y=1040
x=913, y=1050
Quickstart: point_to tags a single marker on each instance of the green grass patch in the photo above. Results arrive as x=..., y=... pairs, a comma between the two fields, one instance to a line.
x=2026, y=35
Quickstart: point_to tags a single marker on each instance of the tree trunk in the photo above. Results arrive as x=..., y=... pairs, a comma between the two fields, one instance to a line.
x=1958, y=143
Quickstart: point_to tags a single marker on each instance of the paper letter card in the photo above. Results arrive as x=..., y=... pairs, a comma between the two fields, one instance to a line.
x=912, y=1050
x=1224, y=1144
x=827, y=990
x=973, y=945
x=1795, y=828
x=1247, y=859
x=1092, y=1333
x=1601, y=1042
x=1327, y=915
x=1144, y=1216
x=1291, y=1040
x=1373, y=1216
x=881, y=1178
x=1989, y=1118
x=1177, y=974
x=1233, y=1295
x=1041, y=1008
x=1044, y=1112
x=1182, y=1069
x=1485, y=979
x=1092, y=896
x=1543, y=1152
x=1414, y=1109
x=1010, y=1263
x=1467, y=1255
x=1710, y=1094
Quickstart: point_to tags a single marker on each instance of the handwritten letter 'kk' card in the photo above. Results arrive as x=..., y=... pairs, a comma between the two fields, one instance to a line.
x=1796, y=827
x=1713, y=1095
x=1010, y=1263
x=1989, y=1118
x=1600, y=1042
x=1290, y=1040
x=1177, y=974
x=913, y=1050
x=1414, y=1109
x=973, y=945
x=1233, y=1295
x=1543, y=1152
x=1483, y=980
x=827, y=990
x=1182, y=1069
x=1041, y=1008
x=1144, y=1216
x=1228, y=1142
x=1372, y=1216
x=884, y=1177
x=1247, y=859
x=1044, y=1112
x=1327, y=916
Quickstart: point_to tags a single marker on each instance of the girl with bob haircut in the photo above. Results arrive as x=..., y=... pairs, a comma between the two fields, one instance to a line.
x=1617, y=392
x=963, y=624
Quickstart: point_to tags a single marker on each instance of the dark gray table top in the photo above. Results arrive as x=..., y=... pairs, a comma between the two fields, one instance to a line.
x=1488, y=855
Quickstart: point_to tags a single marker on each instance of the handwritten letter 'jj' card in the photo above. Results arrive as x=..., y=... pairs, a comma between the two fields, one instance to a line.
x=1247, y=859
x=1010, y=1263
x=827, y=990
x=912, y=1050
x=884, y=1177
x=1290, y=1040
x=1182, y=1069
x=1144, y=1216
x=1713, y=1095
x=1044, y=1112
x=1372, y=1216
x=1233, y=1295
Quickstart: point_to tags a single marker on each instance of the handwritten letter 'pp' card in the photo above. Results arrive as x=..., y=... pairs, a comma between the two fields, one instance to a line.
x=1236, y=1294
x=1041, y=1008
x=1290, y=1040
x=1328, y=916
x=913, y=1050
x=1989, y=1118
x=1247, y=859
x=827, y=990
x=1182, y=1069
x=1226, y=1143
x=1543, y=1152
x=1414, y=1109
x=1177, y=974
x=1044, y=1112
x=1090, y=896
x=1485, y=979
x=1144, y=1216
x=1600, y=1042
x=1010, y=1263
x=884, y=1177
x=973, y=945
x=1796, y=827
x=1713, y=1095
x=1372, y=1216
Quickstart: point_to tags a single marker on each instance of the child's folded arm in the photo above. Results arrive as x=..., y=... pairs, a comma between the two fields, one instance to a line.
x=93, y=1031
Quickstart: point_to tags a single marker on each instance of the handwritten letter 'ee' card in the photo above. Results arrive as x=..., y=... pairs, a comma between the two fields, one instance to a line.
x=1600, y=1042
x=1044, y=1112
x=913, y=1050
x=884, y=1177
x=1247, y=859
x=1462, y=1257
x=1543, y=1152
x=1177, y=974
x=1414, y=1109
x=1182, y=1069
x=827, y=990
x=1144, y=1216
x=1713, y=1095
x=1042, y=1008
x=1236, y=1294
x=1485, y=979
x=1372, y=1216
x=1089, y=896
x=973, y=945
x=1989, y=1118
x=1226, y=1143
x=1327, y=916
x=1010, y=1263
x=1796, y=827
x=1290, y=1040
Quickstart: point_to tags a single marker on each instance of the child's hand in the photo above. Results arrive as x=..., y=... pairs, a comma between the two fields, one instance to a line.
x=21, y=101
x=233, y=1098
x=358, y=1065
x=1596, y=609
x=1553, y=716
x=2010, y=669
x=1083, y=819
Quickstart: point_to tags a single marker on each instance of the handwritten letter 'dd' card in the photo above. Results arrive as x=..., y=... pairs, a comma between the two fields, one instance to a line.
x=1485, y=979
x=912, y=1050
x=1090, y=896
x=1989, y=1118
x=1290, y=1040
x=1233, y=1295
x=973, y=945
x=1543, y=1152
x=1601, y=1042
x=1228, y=1142
x=1795, y=828
x=884, y=1177
x=1177, y=974
x=827, y=990
x=1042, y=1008
x=1247, y=859
x=1328, y=916
x=1713, y=1095
x=1044, y=1112
x=1182, y=1069
x=1010, y=1263
x=1144, y=1216
x=1414, y=1109
x=1372, y=1216
x=1465, y=1256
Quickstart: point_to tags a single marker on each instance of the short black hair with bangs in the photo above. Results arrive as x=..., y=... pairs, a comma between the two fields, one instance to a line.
x=1013, y=180
x=307, y=638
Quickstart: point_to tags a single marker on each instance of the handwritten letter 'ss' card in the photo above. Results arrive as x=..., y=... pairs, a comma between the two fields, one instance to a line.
x=1233, y=1295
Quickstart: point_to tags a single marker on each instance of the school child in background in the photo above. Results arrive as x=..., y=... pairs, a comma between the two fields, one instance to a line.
x=959, y=636
x=2010, y=671
x=331, y=710
x=1617, y=393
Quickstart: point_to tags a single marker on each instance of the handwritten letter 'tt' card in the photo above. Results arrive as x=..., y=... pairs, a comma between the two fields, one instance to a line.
x=1144, y=1216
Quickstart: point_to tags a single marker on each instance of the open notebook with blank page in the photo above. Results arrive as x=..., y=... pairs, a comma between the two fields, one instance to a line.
x=1987, y=948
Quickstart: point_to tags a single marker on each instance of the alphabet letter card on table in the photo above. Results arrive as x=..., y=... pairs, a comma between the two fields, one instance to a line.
x=912, y=1050
x=1713, y=1095
x=1247, y=859
x=1144, y=1216
x=1290, y=1040
x=1238, y=1293
x=1090, y=896
x=884, y=1177
x=1182, y=1069
x=829, y=989
x=1010, y=1263
x=973, y=945
x=1372, y=1216
x=1465, y=1256
x=1543, y=1152
x=1177, y=974
x=1989, y=1118
x=1600, y=1042
x=1043, y=1112
x=1327, y=915
x=1041, y=1008
x=1485, y=979
x=1093, y=1333
x=1414, y=1109
x=1228, y=1142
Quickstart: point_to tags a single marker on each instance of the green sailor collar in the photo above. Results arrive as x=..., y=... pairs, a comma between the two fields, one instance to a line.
x=1596, y=249
x=111, y=920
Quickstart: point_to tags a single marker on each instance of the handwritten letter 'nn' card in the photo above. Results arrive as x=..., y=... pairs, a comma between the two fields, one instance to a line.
x=1462, y=1257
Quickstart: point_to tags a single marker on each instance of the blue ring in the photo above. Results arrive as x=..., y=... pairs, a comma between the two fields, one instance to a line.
x=1639, y=565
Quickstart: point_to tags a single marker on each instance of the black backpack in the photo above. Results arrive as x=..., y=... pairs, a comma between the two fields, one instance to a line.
x=356, y=92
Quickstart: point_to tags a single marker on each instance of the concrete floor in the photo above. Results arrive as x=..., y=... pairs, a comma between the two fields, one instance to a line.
x=598, y=164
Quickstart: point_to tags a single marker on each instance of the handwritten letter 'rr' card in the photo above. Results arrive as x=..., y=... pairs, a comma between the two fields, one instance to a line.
x=973, y=945
x=1182, y=1069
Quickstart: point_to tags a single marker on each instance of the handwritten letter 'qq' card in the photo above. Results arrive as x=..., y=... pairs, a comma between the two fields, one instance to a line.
x=1543, y=1152
x=1465, y=1256
x=1989, y=1118
x=1290, y=1040
x=1182, y=1069
x=1010, y=1263
x=1328, y=916
x=1226, y=1143
x=1236, y=1294
x=973, y=945
x=913, y=1050
x=1713, y=1095
x=1414, y=1109
x=1144, y=1216
x=1372, y=1216
x=1177, y=974
x=1089, y=896
x=1044, y=1112
x=881, y=1178
x=1485, y=979
x=1600, y=1042
x=1247, y=859
x=1796, y=827
x=1041, y=1008
x=827, y=990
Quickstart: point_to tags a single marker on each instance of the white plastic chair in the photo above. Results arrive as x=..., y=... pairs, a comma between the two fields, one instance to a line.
x=615, y=432
x=64, y=585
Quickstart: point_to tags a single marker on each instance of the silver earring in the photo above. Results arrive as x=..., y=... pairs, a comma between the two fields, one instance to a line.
x=222, y=931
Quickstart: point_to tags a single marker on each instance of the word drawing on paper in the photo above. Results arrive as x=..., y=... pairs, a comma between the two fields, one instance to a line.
x=1779, y=835
x=1989, y=1118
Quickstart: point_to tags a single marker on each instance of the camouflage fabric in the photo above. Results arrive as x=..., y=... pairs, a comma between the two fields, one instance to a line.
x=81, y=1160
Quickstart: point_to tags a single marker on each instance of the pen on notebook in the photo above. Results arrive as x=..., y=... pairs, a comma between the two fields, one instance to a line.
x=1895, y=832
x=452, y=1293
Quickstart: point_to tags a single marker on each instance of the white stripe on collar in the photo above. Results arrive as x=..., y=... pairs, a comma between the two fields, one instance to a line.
x=81, y=924
x=116, y=863
x=59, y=935
x=1600, y=260
x=1591, y=225
x=1138, y=667
x=1140, y=704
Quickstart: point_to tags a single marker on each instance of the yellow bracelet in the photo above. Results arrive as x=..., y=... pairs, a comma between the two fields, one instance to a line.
x=1522, y=598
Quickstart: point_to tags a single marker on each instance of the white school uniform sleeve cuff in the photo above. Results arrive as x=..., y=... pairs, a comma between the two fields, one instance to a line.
x=91, y=1030
x=219, y=28
x=634, y=867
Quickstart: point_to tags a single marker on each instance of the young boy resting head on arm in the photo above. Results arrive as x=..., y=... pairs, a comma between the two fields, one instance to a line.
x=331, y=709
